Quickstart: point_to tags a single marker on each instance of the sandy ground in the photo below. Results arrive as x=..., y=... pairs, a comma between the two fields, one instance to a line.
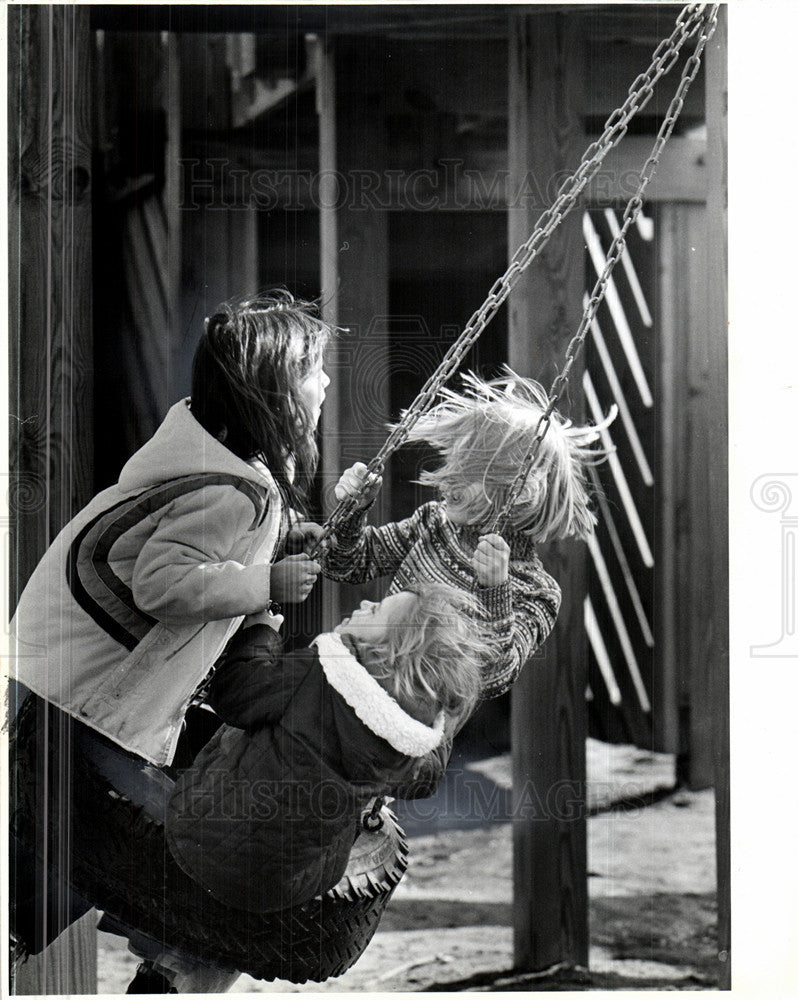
x=449, y=924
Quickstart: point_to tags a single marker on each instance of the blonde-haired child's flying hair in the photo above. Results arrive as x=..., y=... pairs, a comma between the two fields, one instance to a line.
x=484, y=435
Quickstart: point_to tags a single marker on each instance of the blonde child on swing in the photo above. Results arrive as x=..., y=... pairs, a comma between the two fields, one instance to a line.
x=482, y=435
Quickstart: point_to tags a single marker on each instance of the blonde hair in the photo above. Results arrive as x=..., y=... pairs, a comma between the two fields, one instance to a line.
x=437, y=654
x=484, y=435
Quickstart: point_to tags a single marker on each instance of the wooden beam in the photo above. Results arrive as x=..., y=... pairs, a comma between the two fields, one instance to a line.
x=50, y=334
x=354, y=272
x=717, y=326
x=670, y=392
x=225, y=176
x=684, y=630
x=68, y=967
x=468, y=76
x=695, y=612
x=548, y=703
x=475, y=180
x=640, y=24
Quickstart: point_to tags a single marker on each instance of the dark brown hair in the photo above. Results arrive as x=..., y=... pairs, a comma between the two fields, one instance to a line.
x=253, y=356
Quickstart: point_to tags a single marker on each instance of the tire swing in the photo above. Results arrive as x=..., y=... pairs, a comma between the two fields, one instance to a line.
x=123, y=864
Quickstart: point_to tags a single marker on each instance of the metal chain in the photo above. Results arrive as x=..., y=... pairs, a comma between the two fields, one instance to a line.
x=640, y=92
x=372, y=820
x=614, y=254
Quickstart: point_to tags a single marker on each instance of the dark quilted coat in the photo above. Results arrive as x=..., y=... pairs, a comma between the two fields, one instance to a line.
x=267, y=815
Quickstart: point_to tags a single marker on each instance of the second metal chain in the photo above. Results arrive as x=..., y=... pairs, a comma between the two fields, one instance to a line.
x=614, y=254
x=690, y=19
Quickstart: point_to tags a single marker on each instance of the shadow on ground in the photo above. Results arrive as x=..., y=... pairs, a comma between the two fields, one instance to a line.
x=566, y=981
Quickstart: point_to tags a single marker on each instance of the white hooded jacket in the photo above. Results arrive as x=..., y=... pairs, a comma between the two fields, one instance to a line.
x=136, y=598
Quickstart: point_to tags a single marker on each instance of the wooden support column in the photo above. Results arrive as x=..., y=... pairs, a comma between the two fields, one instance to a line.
x=717, y=327
x=691, y=629
x=548, y=702
x=685, y=565
x=675, y=224
x=171, y=91
x=354, y=275
x=50, y=276
x=50, y=334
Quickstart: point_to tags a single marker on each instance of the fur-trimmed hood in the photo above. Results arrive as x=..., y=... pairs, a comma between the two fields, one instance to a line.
x=372, y=704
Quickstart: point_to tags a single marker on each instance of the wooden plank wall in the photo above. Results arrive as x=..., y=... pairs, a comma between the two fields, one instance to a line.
x=548, y=702
x=50, y=334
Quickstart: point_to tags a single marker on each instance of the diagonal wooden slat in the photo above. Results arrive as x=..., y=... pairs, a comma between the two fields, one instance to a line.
x=619, y=369
x=600, y=652
x=608, y=521
x=619, y=623
x=620, y=398
x=618, y=475
x=617, y=311
x=630, y=271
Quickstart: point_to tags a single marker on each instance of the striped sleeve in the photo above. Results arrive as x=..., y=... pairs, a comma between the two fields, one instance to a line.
x=358, y=551
x=520, y=615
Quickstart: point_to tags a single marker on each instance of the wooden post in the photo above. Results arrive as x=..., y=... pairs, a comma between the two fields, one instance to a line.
x=171, y=91
x=675, y=226
x=354, y=274
x=49, y=118
x=548, y=703
x=50, y=275
x=717, y=331
x=687, y=542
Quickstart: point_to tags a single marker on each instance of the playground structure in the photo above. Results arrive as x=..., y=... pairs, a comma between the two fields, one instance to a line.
x=187, y=209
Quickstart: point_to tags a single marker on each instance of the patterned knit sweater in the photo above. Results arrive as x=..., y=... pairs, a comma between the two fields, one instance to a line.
x=519, y=614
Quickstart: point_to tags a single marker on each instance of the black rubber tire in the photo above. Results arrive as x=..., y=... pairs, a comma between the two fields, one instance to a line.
x=122, y=864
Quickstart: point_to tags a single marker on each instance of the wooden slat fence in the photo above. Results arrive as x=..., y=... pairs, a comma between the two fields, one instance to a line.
x=619, y=370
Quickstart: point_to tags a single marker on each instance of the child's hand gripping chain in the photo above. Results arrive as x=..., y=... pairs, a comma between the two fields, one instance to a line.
x=355, y=484
x=293, y=577
x=491, y=561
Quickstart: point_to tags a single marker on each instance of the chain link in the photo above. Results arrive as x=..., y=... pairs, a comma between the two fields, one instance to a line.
x=690, y=19
x=614, y=254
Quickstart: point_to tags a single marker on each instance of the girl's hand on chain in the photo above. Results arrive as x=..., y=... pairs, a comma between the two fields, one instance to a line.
x=292, y=578
x=491, y=561
x=302, y=537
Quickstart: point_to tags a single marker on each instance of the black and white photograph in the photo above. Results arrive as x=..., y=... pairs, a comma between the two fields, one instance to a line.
x=375, y=507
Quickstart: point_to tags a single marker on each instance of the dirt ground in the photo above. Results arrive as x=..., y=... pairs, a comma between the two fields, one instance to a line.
x=448, y=927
